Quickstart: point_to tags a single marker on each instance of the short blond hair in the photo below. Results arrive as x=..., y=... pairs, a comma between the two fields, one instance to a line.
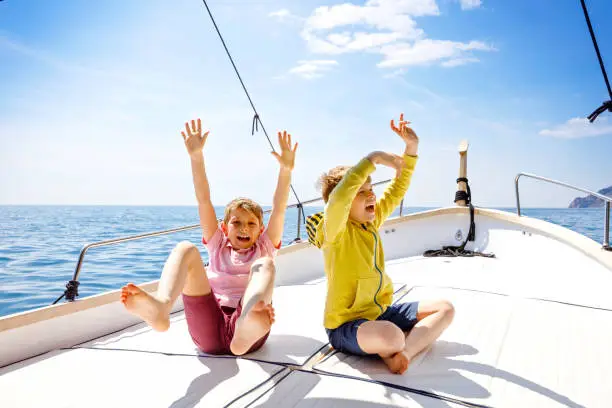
x=246, y=204
x=330, y=180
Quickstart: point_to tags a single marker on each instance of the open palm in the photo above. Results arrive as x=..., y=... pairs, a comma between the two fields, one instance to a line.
x=286, y=158
x=194, y=139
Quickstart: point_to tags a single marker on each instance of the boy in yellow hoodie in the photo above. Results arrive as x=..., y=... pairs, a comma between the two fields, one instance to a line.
x=359, y=316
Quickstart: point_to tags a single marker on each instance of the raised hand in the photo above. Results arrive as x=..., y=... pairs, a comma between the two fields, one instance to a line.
x=194, y=139
x=407, y=134
x=286, y=158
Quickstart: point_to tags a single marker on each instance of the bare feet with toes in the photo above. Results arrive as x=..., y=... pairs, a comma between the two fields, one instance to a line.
x=397, y=363
x=138, y=302
x=251, y=327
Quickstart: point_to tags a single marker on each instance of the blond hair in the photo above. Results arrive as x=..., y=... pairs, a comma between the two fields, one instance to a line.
x=246, y=204
x=330, y=180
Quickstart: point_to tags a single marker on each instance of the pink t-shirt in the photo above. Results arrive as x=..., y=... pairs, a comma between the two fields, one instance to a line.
x=228, y=270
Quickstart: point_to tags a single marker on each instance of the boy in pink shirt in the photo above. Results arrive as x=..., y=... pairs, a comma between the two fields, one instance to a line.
x=227, y=304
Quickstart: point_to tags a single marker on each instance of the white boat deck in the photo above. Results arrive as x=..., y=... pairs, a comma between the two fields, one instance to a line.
x=504, y=349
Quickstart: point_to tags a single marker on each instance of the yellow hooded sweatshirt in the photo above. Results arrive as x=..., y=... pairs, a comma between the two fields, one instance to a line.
x=357, y=285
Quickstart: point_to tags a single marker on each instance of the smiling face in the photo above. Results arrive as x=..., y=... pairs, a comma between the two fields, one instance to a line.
x=243, y=223
x=242, y=228
x=363, y=208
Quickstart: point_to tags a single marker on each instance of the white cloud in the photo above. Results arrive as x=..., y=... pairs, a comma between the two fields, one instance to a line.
x=364, y=41
x=579, y=127
x=327, y=18
x=422, y=52
x=393, y=15
x=470, y=4
x=387, y=27
x=340, y=39
x=459, y=61
x=284, y=15
x=312, y=69
x=280, y=14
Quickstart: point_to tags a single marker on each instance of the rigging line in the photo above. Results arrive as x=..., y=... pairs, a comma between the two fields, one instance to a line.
x=606, y=105
x=256, y=118
x=601, y=63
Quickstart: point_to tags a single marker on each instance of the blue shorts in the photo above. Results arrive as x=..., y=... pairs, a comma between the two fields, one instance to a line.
x=344, y=338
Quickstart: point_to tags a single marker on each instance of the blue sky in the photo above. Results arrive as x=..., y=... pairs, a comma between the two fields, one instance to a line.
x=94, y=95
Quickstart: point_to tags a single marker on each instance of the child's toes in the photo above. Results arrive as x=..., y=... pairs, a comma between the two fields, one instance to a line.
x=131, y=288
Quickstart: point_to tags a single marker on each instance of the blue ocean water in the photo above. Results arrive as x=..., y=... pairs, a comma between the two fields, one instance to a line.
x=39, y=245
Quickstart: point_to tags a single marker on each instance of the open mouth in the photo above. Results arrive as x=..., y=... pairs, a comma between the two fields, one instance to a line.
x=370, y=208
x=243, y=239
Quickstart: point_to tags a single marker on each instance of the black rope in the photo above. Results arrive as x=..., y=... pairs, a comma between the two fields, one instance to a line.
x=61, y=296
x=606, y=105
x=256, y=118
x=255, y=126
x=71, y=292
x=454, y=251
x=467, y=197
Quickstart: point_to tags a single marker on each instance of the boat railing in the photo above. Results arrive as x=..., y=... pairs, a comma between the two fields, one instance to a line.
x=70, y=294
x=607, y=201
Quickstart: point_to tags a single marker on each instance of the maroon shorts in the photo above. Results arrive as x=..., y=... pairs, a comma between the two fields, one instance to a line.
x=211, y=325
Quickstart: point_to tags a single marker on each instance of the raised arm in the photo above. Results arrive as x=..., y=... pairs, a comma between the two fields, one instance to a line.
x=194, y=142
x=393, y=195
x=286, y=159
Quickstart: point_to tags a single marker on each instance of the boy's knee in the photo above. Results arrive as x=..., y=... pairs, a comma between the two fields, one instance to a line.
x=265, y=264
x=392, y=336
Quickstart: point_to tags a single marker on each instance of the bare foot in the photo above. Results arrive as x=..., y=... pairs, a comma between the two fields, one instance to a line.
x=145, y=306
x=251, y=327
x=397, y=363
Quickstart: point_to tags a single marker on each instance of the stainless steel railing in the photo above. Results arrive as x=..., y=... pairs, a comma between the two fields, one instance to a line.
x=300, y=216
x=607, y=200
